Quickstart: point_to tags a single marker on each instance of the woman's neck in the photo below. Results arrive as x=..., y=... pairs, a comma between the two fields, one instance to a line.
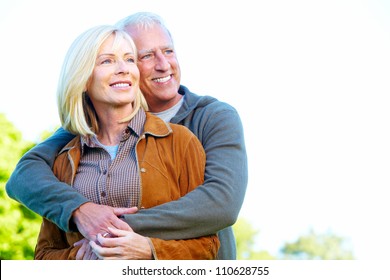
x=110, y=128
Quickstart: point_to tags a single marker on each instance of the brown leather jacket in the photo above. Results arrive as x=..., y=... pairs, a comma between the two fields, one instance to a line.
x=171, y=162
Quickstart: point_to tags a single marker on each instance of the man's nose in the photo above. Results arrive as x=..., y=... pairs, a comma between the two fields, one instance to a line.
x=162, y=63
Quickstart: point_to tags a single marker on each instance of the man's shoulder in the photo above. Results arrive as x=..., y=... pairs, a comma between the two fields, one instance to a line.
x=206, y=102
x=199, y=110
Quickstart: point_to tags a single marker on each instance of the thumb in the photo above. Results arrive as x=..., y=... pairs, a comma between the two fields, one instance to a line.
x=123, y=211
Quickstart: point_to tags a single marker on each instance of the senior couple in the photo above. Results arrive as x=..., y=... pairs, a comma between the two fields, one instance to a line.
x=142, y=168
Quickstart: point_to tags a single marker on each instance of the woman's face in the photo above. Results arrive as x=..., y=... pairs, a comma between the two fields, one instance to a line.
x=115, y=78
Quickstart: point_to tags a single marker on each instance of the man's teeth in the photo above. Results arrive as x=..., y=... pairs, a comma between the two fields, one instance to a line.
x=162, y=80
x=121, y=85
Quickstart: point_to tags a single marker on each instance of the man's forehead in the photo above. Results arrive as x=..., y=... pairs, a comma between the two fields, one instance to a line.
x=152, y=50
x=144, y=33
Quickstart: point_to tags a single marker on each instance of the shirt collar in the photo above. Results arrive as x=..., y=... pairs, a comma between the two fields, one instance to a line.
x=135, y=125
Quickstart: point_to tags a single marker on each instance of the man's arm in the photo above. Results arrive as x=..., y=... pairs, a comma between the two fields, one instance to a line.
x=214, y=205
x=33, y=183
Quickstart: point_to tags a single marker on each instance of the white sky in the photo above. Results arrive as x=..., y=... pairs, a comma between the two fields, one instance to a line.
x=310, y=80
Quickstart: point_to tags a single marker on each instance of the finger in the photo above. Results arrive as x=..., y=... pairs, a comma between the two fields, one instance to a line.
x=108, y=246
x=87, y=256
x=93, y=255
x=100, y=240
x=108, y=241
x=119, y=232
x=120, y=224
x=96, y=249
x=80, y=254
x=90, y=254
x=103, y=252
x=123, y=211
x=78, y=243
x=82, y=250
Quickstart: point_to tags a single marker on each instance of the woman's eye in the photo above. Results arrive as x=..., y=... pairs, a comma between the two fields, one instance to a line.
x=131, y=60
x=106, y=61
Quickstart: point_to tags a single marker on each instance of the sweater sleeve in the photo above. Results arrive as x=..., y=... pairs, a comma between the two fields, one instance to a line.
x=33, y=177
x=216, y=203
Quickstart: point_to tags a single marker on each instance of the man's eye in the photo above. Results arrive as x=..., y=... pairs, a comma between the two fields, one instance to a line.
x=146, y=56
x=131, y=60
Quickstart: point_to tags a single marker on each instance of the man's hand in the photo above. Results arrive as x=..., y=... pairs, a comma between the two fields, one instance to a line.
x=91, y=219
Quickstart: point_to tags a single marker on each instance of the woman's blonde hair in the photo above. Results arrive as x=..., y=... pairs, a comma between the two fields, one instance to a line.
x=76, y=111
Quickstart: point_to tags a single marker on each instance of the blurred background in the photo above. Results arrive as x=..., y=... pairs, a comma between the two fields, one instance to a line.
x=310, y=80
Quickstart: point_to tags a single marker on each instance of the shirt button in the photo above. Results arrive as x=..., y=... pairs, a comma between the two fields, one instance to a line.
x=104, y=172
x=143, y=170
x=103, y=194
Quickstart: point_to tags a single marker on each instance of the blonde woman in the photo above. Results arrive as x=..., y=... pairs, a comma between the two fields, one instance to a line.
x=122, y=156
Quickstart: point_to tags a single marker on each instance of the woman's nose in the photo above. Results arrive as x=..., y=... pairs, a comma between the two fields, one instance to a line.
x=123, y=67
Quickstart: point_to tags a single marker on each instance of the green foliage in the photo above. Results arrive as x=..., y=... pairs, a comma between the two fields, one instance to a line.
x=311, y=246
x=10, y=146
x=47, y=133
x=19, y=226
x=245, y=239
x=318, y=247
x=19, y=229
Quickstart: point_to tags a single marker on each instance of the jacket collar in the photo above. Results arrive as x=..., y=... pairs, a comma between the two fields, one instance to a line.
x=156, y=126
x=153, y=126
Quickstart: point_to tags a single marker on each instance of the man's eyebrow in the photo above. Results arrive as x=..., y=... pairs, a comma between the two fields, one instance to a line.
x=141, y=52
x=146, y=51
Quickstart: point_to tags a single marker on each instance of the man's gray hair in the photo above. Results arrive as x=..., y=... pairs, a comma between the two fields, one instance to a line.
x=144, y=20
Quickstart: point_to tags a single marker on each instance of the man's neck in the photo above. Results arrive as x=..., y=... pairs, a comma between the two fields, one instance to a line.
x=168, y=114
x=163, y=106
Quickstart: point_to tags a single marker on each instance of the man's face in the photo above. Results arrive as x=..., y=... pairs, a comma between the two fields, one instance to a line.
x=158, y=66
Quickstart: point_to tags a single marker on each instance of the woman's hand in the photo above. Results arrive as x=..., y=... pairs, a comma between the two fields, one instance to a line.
x=121, y=245
x=85, y=252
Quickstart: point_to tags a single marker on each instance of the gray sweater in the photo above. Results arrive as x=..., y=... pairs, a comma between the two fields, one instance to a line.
x=212, y=207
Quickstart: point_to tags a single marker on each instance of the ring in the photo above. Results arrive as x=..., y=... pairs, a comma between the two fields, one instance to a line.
x=105, y=234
